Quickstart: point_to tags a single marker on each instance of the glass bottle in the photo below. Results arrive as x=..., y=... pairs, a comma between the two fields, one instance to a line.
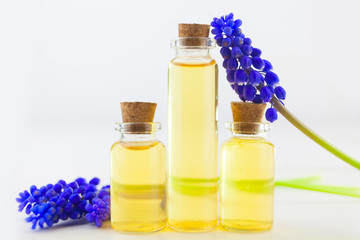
x=247, y=179
x=193, y=140
x=138, y=179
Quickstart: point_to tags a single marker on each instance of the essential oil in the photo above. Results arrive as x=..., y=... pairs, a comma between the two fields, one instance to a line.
x=138, y=172
x=247, y=172
x=193, y=140
x=247, y=184
x=139, y=184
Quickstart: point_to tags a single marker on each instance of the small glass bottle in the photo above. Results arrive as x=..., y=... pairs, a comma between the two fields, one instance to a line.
x=247, y=179
x=138, y=179
x=192, y=124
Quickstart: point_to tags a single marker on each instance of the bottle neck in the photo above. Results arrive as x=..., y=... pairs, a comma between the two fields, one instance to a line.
x=137, y=137
x=248, y=129
x=192, y=53
x=193, y=47
x=137, y=132
x=249, y=136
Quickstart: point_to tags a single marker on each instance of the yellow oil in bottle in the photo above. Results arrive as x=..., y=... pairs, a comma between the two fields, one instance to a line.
x=193, y=144
x=246, y=184
x=138, y=186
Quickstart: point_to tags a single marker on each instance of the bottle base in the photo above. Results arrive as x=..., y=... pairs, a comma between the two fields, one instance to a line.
x=138, y=227
x=236, y=225
x=193, y=226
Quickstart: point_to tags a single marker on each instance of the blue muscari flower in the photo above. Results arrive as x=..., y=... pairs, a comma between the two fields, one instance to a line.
x=214, y=24
x=232, y=64
x=245, y=62
x=216, y=31
x=226, y=42
x=219, y=22
x=99, y=208
x=267, y=66
x=257, y=99
x=258, y=63
x=228, y=31
x=61, y=201
x=256, y=52
x=262, y=79
x=240, y=89
x=236, y=52
x=230, y=76
x=271, y=114
x=219, y=41
x=240, y=76
x=237, y=23
x=236, y=32
x=252, y=79
x=249, y=92
x=238, y=41
x=94, y=181
x=280, y=92
x=271, y=78
x=73, y=185
x=230, y=16
x=90, y=188
x=266, y=94
x=218, y=36
x=225, y=63
x=236, y=87
x=225, y=52
x=229, y=23
x=247, y=41
x=246, y=49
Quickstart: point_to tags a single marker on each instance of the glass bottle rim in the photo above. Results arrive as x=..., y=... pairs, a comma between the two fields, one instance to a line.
x=247, y=127
x=204, y=43
x=145, y=127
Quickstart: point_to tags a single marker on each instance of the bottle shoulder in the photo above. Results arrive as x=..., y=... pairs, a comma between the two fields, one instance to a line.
x=192, y=61
x=233, y=141
x=161, y=144
x=138, y=145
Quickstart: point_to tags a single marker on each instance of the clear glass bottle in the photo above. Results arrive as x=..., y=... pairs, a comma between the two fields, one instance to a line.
x=193, y=140
x=247, y=179
x=138, y=179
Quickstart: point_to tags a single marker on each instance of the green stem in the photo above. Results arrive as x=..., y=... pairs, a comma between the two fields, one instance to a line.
x=339, y=190
x=311, y=134
x=303, y=179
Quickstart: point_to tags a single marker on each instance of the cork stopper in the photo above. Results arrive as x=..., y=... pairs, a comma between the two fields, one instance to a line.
x=249, y=114
x=138, y=112
x=193, y=31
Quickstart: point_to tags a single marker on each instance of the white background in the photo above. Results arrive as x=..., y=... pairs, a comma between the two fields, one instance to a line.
x=66, y=65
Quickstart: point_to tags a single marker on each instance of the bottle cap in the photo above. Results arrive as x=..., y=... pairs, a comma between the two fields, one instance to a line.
x=138, y=112
x=248, y=113
x=193, y=31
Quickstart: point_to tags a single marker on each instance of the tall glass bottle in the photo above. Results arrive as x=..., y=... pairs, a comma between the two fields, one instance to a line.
x=138, y=179
x=247, y=179
x=193, y=140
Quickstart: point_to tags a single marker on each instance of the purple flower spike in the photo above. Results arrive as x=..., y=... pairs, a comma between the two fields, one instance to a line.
x=99, y=209
x=61, y=201
x=249, y=74
x=271, y=114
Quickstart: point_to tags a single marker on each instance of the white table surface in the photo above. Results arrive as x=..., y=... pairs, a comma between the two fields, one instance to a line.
x=49, y=154
x=297, y=216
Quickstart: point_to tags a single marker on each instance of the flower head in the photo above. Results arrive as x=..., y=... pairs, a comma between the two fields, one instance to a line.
x=99, y=208
x=248, y=73
x=61, y=201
